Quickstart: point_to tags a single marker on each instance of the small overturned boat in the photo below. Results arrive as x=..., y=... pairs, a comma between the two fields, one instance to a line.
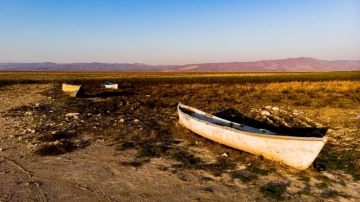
x=111, y=85
x=72, y=90
x=297, y=152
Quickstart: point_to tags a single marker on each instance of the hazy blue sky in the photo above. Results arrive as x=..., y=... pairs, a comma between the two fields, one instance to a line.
x=177, y=31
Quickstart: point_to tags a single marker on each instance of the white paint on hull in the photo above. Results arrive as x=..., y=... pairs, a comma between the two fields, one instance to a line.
x=297, y=152
x=112, y=86
x=72, y=90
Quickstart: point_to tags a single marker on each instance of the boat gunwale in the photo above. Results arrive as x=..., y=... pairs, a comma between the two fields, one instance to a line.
x=70, y=85
x=276, y=136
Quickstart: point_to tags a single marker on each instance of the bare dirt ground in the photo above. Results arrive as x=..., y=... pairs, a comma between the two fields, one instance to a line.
x=97, y=171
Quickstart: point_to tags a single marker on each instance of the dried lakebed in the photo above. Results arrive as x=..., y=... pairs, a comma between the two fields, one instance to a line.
x=126, y=145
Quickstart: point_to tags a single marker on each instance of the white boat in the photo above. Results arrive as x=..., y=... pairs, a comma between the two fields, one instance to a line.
x=297, y=152
x=72, y=90
x=111, y=85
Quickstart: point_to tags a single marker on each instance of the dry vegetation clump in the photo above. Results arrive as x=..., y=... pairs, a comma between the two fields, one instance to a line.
x=143, y=118
x=331, y=193
x=243, y=175
x=274, y=189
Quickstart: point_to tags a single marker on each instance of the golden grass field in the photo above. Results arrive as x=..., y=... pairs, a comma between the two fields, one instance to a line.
x=174, y=77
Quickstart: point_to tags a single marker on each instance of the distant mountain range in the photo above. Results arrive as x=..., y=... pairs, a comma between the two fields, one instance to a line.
x=302, y=64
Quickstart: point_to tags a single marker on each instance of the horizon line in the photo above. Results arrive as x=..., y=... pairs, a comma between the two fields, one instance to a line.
x=179, y=64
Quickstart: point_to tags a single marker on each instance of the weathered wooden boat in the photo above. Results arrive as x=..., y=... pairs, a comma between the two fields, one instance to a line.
x=72, y=90
x=297, y=152
x=111, y=85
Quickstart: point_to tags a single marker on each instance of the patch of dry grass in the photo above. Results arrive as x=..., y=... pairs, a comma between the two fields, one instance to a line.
x=18, y=77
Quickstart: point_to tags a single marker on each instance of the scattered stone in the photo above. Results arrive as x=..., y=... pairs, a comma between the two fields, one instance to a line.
x=29, y=113
x=122, y=121
x=136, y=120
x=357, y=116
x=72, y=115
x=11, y=136
x=224, y=155
x=275, y=108
x=265, y=113
x=209, y=189
x=100, y=140
x=241, y=167
x=1, y=149
x=268, y=107
x=147, y=95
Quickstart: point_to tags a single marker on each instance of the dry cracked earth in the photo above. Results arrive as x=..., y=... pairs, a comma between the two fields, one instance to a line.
x=44, y=159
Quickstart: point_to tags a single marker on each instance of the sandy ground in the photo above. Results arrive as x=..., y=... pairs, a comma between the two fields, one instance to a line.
x=95, y=173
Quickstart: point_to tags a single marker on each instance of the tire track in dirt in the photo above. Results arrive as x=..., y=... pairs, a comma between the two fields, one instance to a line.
x=94, y=187
x=26, y=177
x=74, y=190
x=99, y=193
x=110, y=188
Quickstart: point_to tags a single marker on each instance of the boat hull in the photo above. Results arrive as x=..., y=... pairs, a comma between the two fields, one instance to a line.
x=111, y=86
x=297, y=152
x=71, y=90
